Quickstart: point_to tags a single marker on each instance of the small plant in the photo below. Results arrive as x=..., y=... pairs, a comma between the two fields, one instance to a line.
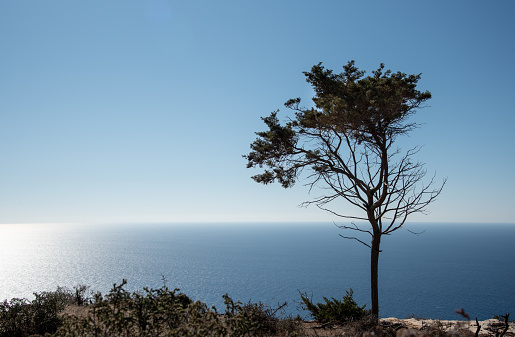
x=335, y=311
x=502, y=318
x=256, y=319
x=79, y=297
x=415, y=316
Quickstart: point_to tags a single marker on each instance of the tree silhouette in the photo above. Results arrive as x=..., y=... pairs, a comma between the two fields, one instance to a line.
x=345, y=145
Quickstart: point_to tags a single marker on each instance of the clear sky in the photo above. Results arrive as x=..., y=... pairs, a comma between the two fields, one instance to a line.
x=136, y=111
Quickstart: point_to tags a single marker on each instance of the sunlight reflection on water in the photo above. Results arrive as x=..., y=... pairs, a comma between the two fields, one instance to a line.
x=431, y=275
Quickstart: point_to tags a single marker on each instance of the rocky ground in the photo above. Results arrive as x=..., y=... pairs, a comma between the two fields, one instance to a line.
x=488, y=327
x=411, y=327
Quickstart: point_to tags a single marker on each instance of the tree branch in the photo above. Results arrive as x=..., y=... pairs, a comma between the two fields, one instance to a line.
x=354, y=238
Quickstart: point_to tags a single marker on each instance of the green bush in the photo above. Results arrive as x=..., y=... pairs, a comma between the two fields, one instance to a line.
x=121, y=313
x=335, y=311
x=165, y=312
x=256, y=319
x=21, y=317
x=14, y=317
x=149, y=313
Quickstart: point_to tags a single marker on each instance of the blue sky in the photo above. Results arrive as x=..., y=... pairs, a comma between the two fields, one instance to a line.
x=140, y=111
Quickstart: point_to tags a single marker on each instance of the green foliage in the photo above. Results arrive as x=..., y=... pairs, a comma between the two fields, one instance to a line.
x=21, y=317
x=165, y=312
x=15, y=318
x=121, y=313
x=255, y=319
x=350, y=108
x=150, y=313
x=363, y=107
x=335, y=311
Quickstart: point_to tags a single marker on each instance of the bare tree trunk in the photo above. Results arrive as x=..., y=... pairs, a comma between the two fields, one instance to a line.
x=374, y=263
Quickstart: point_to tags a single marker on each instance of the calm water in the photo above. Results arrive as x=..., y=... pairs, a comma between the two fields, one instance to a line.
x=448, y=267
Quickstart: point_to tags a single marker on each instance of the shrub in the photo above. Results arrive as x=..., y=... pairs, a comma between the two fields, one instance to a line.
x=120, y=313
x=335, y=311
x=14, y=317
x=256, y=319
x=150, y=312
x=21, y=317
x=80, y=298
x=159, y=312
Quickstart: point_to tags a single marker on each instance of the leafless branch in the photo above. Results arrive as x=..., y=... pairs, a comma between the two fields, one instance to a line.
x=341, y=215
x=354, y=228
x=354, y=238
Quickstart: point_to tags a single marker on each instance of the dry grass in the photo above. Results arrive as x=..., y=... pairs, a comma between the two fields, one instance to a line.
x=75, y=310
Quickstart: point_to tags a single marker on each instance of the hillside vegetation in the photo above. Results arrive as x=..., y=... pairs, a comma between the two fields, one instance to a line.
x=166, y=312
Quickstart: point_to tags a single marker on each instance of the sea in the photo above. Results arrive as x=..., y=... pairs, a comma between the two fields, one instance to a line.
x=426, y=270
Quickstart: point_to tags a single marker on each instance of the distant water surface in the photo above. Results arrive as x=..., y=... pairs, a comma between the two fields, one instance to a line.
x=448, y=267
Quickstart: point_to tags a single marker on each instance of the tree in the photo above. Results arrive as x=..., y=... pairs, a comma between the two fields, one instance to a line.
x=345, y=144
